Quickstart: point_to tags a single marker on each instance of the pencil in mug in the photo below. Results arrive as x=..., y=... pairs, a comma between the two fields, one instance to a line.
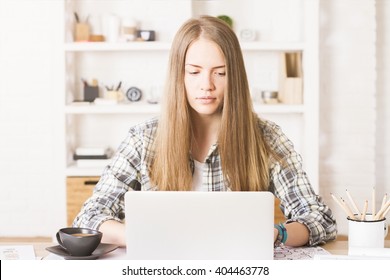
x=385, y=213
x=382, y=211
x=363, y=217
x=343, y=206
x=355, y=208
x=373, y=202
x=348, y=210
x=384, y=200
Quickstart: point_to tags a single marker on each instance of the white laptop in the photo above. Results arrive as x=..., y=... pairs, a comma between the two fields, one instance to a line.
x=199, y=225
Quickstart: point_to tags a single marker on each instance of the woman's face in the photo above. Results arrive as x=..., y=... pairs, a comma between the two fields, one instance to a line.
x=205, y=77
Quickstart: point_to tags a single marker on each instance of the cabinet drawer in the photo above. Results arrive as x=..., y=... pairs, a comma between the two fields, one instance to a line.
x=78, y=189
x=279, y=217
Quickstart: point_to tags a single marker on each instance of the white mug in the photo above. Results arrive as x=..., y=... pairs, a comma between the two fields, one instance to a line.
x=116, y=95
x=111, y=30
x=368, y=233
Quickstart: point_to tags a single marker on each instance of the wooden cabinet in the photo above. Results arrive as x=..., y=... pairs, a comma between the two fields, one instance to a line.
x=78, y=189
x=278, y=215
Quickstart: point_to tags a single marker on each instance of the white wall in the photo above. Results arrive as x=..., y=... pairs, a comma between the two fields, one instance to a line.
x=348, y=123
x=383, y=98
x=32, y=191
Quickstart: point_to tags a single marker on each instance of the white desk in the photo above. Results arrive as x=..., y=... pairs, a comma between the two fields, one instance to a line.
x=333, y=247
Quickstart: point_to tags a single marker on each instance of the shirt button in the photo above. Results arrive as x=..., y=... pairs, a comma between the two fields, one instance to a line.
x=121, y=215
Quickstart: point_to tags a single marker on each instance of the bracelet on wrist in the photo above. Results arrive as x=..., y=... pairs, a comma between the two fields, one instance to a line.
x=282, y=235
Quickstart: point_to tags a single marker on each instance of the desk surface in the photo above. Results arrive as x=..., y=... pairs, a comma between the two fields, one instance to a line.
x=333, y=247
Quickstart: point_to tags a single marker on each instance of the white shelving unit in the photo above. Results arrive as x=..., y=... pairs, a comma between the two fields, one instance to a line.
x=165, y=46
x=143, y=64
x=137, y=108
x=144, y=108
x=111, y=47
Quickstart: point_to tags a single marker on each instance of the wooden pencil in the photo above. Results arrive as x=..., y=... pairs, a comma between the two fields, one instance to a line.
x=355, y=208
x=384, y=200
x=347, y=209
x=340, y=204
x=385, y=212
x=363, y=217
x=373, y=212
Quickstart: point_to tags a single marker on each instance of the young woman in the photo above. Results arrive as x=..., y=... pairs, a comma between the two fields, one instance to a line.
x=208, y=138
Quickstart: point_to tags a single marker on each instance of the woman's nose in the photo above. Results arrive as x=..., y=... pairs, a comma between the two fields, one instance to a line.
x=207, y=83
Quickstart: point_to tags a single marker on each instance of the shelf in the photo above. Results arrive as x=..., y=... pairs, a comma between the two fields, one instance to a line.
x=165, y=46
x=133, y=108
x=143, y=108
x=272, y=46
x=103, y=46
x=279, y=109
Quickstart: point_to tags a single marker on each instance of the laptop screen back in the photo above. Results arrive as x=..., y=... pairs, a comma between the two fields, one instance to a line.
x=199, y=225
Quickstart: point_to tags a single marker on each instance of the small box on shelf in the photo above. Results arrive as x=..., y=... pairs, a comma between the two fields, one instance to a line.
x=291, y=82
x=81, y=33
x=91, y=91
x=116, y=95
x=96, y=38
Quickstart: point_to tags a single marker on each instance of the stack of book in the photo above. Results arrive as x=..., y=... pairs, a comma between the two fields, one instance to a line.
x=92, y=156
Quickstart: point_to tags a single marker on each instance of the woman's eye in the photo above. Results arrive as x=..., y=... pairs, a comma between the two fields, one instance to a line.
x=220, y=74
x=192, y=72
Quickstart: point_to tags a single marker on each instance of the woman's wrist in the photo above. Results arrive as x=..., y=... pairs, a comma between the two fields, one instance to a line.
x=275, y=234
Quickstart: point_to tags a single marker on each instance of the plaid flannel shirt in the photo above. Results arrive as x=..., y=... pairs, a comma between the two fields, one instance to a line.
x=288, y=182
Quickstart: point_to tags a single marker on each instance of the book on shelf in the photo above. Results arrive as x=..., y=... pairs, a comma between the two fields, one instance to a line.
x=107, y=154
x=77, y=157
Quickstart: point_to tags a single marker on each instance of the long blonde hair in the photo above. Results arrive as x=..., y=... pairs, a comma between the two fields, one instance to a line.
x=244, y=153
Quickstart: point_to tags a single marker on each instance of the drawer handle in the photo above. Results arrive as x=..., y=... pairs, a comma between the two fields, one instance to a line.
x=91, y=182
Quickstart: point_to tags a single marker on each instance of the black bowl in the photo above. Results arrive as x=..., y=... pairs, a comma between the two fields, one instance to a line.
x=79, y=241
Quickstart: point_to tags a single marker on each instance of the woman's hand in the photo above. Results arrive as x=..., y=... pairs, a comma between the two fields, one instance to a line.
x=113, y=233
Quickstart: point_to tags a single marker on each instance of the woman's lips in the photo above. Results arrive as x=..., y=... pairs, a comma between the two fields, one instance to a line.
x=206, y=99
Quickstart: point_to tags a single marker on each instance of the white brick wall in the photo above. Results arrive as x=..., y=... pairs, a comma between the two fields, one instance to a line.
x=383, y=100
x=348, y=114
x=32, y=204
